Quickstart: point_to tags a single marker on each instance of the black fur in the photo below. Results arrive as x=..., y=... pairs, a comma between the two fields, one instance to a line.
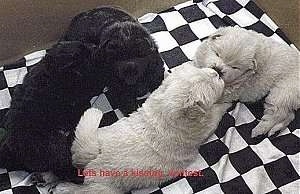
x=126, y=46
x=46, y=108
x=102, y=47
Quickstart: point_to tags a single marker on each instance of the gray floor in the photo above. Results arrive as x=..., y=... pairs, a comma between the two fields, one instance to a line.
x=27, y=27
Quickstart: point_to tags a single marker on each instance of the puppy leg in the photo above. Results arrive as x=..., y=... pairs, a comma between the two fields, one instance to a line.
x=29, y=150
x=272, y=123
x=283, y=124
x=92, y=188
x=85, y=146
x=278, y=112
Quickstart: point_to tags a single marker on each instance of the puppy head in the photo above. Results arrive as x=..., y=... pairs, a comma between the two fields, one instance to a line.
x=189, y=87
x=132, y=57
x=88, y=26
x=231, y=52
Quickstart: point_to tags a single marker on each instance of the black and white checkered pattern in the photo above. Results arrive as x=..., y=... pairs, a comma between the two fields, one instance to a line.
x=231, y=161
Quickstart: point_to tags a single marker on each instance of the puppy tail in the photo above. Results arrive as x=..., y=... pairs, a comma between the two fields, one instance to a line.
x=85, y=146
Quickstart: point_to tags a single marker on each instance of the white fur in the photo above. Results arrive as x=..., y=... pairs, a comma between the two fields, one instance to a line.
x=162, y=135
x=85, y=149
x=254, y=66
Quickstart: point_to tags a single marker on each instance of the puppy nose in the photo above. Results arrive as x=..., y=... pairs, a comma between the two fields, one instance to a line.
x=218, y=71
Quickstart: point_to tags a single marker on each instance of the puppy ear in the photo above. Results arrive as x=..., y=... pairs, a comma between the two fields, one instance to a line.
x=155, y=72
x=199, y=98
x=129, y=73
x=192, y=104
x=66, y=55
x=105, y=52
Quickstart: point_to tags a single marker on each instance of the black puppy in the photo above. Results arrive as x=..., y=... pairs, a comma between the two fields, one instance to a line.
x=124, y=46
x=46, y=108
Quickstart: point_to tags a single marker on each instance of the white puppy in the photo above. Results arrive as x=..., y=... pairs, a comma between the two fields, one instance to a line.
x=162, y=135
x=253, y=66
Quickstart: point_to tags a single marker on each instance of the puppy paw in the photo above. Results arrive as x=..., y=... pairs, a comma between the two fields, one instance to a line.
x=261, y=129
x=90, y=119
x=93, y=113
x=36, y=178
x=61, y=188
x=256, y=132
x=269, y=125
x=278, y=127
x=42, y=179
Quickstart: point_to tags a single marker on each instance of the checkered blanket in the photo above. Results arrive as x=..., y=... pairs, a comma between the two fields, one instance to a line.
x=230, y=161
